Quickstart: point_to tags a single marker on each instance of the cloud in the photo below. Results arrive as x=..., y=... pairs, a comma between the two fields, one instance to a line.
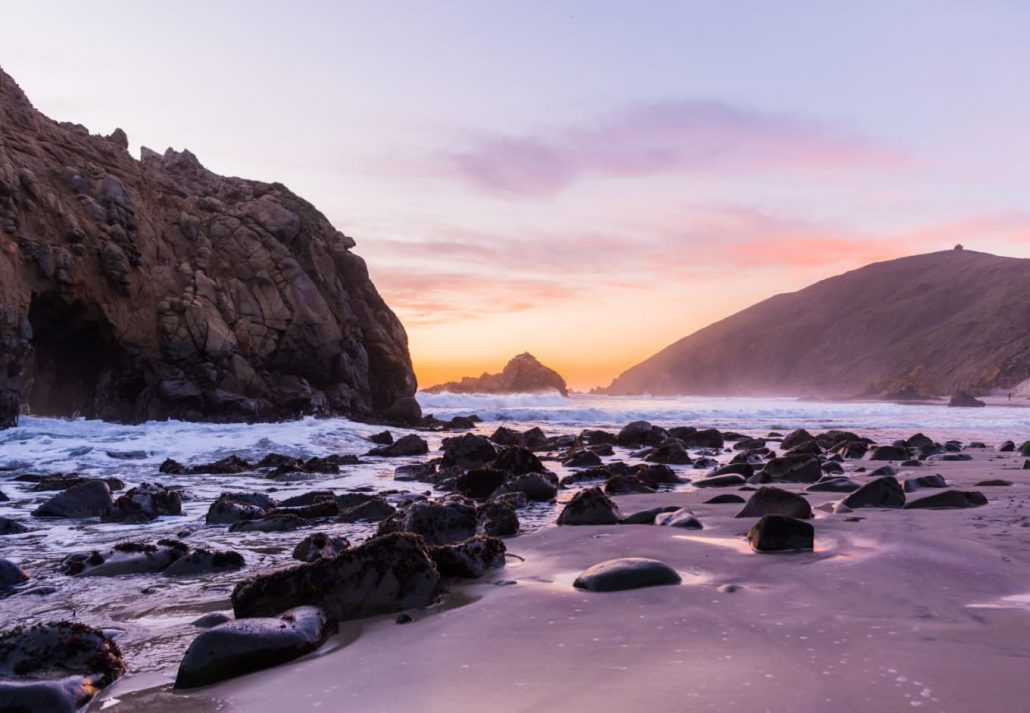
x=686, y=136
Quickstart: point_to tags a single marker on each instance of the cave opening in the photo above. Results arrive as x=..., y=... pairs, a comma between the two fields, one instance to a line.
x=75, y=360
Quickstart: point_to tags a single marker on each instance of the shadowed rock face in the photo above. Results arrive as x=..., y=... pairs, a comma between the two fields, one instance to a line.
x=522, y=375
x=921, y=325
x=134, y=290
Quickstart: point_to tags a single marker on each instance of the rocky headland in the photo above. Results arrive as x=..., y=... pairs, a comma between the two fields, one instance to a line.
x=155, y=288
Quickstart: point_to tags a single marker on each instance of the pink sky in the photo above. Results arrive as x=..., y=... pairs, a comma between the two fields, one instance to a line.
x=585, y=181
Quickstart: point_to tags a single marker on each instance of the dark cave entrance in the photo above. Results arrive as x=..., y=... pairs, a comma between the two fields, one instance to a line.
x=75, y=361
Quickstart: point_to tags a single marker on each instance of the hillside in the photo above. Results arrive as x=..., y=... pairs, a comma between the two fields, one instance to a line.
x=919, y=325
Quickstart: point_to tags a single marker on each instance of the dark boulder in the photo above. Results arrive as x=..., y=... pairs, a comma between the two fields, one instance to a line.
x=744, y=469
x=647, y=517
x=1007, y=447
x=834, y=485
x=656, y=474
x=924, y=481
x=725, y=499
x=469, y=559
x=311, y=497
x=11, y=575
x=238, y=647
x=794, y=469
x=719, y=481
x=497, y=518
x=55, y=667
x=994, y=483
x=590, y=507
x=949, y=499
x=387, y=574
x=582, y=459
x=779, y=533
x=204, y=561
x=679, y=518
x=409, y=445
x=776, y=501
x=626, y=573
x=125, y=558
x=439, y=523
x=889, y=453
x=226, y=511
x=320, y=545
x=639, y=433
x=274, y=522
x=370, y=509
x=671, y=452
x=11, y=527
x=468, y=451
x=963, y=399
x=883, y=492
x=480, y=483
x=539, y=487
x=383, y=438
x=626, y=485
x=85, y=500
x=518, y=460
x=144, y=503
x=796, y=438
x=919, y=441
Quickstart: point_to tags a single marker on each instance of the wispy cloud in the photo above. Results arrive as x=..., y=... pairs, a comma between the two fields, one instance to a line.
x=686, y=136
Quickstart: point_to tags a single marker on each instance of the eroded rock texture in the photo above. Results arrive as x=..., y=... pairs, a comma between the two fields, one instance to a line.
x=133, y=290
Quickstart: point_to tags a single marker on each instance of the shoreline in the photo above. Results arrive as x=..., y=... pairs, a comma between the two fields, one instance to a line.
x=885, y=615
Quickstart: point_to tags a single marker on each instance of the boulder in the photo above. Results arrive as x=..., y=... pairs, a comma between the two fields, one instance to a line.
x=925, y=481
x=371, y=509
x=409, y=445
x=88, y=499
x=125, y=558
x=647, y=517
x=671, y=452
x=889, y=453
x=144, y=503
x=794, y=469
x=796, y=438
x=469, y=559
x=919, y=440
x=480, y=483
x=775, y=501
x=963, y=399
x=227, y=511
x=439, y=523
x=728, y=480
x=204, y=561
x=657, y=474
x=467, y=451
x=949, y=499
x=320, y=545
x=11, y=527
x=779, y=533
x=725, y=499
x=590, y=507
x=626, y=573
x=582, y=459
x=55, y=667
x=678, y=518
x=497, y=518
x=626, y=485
x=994, y=483
x=312, y=497
x=518, y=460
x=11, y=575
x=1007, y=447
x=238, y=647
x=538, y=487
x=883, y=492
x=639, y=433
x=383, y=438
x=414, y=471
x=386, y=574
x=834, y=485
x=274, y=522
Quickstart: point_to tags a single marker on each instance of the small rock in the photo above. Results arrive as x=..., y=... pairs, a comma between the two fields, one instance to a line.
x=319, y=545
x=590, y=507
x=885, y=492
x=949, y=499
x=410, y=445
x=626, y=573
x=775, y=501
x=679, y=518
x=779, y=533
x=925, y=481
x=469, y=559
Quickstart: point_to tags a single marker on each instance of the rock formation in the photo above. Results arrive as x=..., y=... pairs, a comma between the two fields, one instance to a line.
x=150, y=289
x=918, y=326
x=522, y=375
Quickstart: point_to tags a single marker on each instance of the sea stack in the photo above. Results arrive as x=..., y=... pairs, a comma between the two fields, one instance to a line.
x=524, y=374
x=155, y=288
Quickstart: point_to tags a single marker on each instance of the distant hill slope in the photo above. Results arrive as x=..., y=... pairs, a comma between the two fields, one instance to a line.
x=920, y=325
x=522, y=375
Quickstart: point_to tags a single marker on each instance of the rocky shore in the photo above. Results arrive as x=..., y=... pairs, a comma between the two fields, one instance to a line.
x=524, y=563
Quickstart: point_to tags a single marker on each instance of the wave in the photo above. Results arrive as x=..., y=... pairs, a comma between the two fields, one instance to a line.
x=471, y=402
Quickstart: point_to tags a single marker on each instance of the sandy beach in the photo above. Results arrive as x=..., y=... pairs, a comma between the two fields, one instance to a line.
x=894, y=610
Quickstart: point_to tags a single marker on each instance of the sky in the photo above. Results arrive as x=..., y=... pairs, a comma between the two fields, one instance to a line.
x=586, y=181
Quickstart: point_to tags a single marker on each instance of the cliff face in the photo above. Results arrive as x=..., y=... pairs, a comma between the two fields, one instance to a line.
x=921, y=325
x=133, y=290
x=522, y=375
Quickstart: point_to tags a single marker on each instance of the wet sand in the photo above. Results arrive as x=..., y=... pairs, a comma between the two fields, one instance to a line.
x=900, y=610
